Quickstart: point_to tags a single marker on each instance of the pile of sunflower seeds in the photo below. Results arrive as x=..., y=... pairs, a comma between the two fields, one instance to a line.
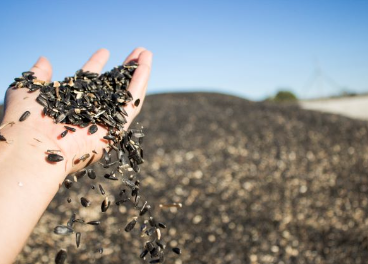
x=85, y=100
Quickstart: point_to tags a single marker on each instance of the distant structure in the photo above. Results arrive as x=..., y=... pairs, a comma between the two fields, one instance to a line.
x=320, y=85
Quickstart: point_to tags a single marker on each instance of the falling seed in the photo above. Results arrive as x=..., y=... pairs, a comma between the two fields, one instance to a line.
x=177, y=250
x=101, y=189
x=54, y=157
x=24, y=116
x=144, y=209
x=72, y=129
x=158, y=233
x=64, y=133
x=61, y=256
x=93, y=187
x=162, y=225
x=63, y=230
x=69, y=200
x=131, y=225
x=152, y=221
x=100, y=250
x=68, y=183
x=162, y=246
x=77, y=238
x=153, y=261
x=85, y=202
x=93, y=223
x=71, y=220
x=92, y=129
x=143, y=254
x=91, y=174
x=150, y=231
x=149, y=246
x=105, y=205
x=136, y=103
x=111, y=177
x=177, y=205
x=80, y=174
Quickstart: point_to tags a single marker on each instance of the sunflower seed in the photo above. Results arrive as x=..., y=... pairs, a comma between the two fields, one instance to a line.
x=64, y=133
x=24, y=116
x=177, y=250
x=63, y=230
x=84, y=157
x=2, y=138
x=92, y=129
x=85, y=202
x=71, y=220
x=91, y=174
x=101, y=189
x=72, y=129
x=54, y=157
x=131, y=225
x=144, y=209
x=69, y=200
x=162, y=225
x=136, y=103
x=100, y=250
x=93, y=223
x=105, y=205
x=61, y=256
x=68, y=183
x=77, y=238
x=143, y=254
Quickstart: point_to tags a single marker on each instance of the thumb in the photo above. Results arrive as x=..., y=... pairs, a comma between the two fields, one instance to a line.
x=42, y=69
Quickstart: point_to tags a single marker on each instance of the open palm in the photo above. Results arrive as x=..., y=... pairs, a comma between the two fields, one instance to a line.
x=41, y=131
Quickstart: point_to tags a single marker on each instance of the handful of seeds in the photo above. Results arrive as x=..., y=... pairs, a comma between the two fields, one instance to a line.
x=87, y=99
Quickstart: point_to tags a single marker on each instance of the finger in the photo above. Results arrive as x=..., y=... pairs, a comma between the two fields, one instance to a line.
x=97, y=61
x=134, y=55
x=141, y=75
x=42, y=69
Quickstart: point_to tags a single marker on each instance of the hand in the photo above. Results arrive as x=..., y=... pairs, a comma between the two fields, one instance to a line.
x=76, y=144
x=27, y=182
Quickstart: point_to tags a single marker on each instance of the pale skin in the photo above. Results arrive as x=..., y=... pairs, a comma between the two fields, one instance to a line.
x=27, y=181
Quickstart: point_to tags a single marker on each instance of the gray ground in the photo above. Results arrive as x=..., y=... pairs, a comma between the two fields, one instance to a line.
x=259, y=183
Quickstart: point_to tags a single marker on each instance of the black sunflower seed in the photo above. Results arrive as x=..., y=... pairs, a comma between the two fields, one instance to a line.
x=85, y=202
x=111, y=177
x=100, y=250
x=72, y=129
x=149, y=246
x=136, y=103
x=143, y=254
x=93, y=223
x=2, y=138
x=69, y=200
x=77, y=238
x=152, y=221
x=92, y=129
x=91, y=174
x=155, y=261
x=24, y=116
x=63, y=230
x=177, y=250
x=131, y=225
x=101, y=189
x=68, y=183
x=105, y=205
x=64, y=133
x=71, y=220
x=144, y=209
x=54, y=157
x=162, y=246
x=61, y=256
x=162, y=225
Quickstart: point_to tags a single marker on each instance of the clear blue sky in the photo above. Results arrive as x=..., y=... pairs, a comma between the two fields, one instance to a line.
x=247, y=48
